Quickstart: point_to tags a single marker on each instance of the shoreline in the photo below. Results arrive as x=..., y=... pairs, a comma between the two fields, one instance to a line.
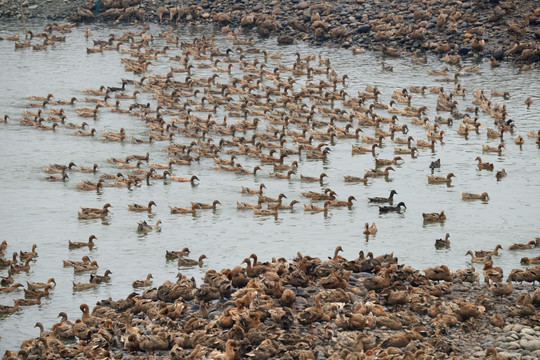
x=308, y=308
x=485, y=29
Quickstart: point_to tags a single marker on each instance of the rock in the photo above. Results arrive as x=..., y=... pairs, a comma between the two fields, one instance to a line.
x=364, y=29
x=530, y=345
x=285, y=40
x=303, y=5
x=32, y=7
x=498, y=54
x=464, y=50
x=528, y=331
x=513, y=346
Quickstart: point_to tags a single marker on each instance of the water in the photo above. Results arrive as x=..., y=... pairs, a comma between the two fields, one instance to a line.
x=37, y=211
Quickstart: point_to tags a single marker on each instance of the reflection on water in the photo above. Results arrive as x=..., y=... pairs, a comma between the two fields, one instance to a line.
x=36, y=211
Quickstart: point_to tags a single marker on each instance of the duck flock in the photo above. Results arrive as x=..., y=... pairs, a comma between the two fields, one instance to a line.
x=242, y=110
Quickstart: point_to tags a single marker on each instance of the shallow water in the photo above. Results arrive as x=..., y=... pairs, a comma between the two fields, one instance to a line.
x=37, y=211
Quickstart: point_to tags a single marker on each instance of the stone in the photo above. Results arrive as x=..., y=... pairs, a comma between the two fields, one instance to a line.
x=303, y=5
x=530, y=345
x=32, y=7
x=464, y=50
x=528, y=331
x=364, y=29
x=513, y=346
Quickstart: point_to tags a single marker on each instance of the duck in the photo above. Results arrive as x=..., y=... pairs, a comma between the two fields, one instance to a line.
x=87, y=213
x=349, y=178
x=7, y=280
x=64, y=177
x=85, y=133
x=182, y=210
x=430, y=217
x=438, y=273
x=482, y=253
x=348, y=203
x=143, y=283
x=422, y=143
x=500, y=174
x=185, y=179
x=376, y=173
x=58, y=168
x=88, y=267
x=529, y=261
x=5, y=309
x=266, y=199
x=144, y=227
x=370, y=230
x=259, y=191
x=173, y=255
x=480, y=260
x=199, y=205
x=497, y=149
x=501, y=289
x=440, y=243
x=280, y=206
x=11, y=288
x=244, y=206
x=83, y=286
x=314, y=208
x=361, y=149
x=411, y=151
x=191, y=262
x=389, y=199
x=23, y=267
x=7, y=262
x=470, y=196
x=313, y=178
x=397, y=208
x=92, y=169
x=29, y=302
x=23, y=255
x=85, y=260
x=139, y=207
x=484, y=165
x=101, y=278
x=531, y=244
x=519, y=140
x=265, y=211
x=406, y=141
x=282, y=176
x=90, y=243
x=384, y=162
x=435, y=164
x=440, y=179
x=492, y=273
x=88, y=186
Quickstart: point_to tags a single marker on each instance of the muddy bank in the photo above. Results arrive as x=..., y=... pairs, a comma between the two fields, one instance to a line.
x=309, y=308
x=502, y=29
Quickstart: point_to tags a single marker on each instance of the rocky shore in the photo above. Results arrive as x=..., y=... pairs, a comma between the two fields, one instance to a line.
x=309, y=308
x=496, y=29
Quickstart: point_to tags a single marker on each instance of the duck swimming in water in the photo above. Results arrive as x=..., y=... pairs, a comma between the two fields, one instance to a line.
x=397, y=208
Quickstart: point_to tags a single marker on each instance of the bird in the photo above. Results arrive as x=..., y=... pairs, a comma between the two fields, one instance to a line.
x=370, y=230
x=139, y=207
x=143, y=283
x=435, y=164
x=429, y=217
x=443, y=243
x=191, y=262
x=397, y=208
x=89, y=244
x=440, y=179
x=389, y=199
x=469, y=196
